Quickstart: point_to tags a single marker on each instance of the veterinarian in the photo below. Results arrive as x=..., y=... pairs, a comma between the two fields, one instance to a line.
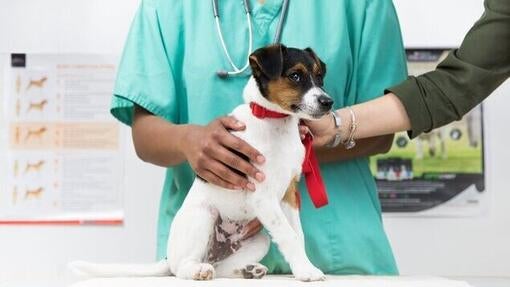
x=463, y=80
x=169, y=92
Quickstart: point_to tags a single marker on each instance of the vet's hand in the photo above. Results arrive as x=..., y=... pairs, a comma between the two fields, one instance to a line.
x=252, y=228
x=208, y=150
x=323, y=130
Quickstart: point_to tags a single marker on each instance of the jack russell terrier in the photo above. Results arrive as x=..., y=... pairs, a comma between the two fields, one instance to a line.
x=205, y=239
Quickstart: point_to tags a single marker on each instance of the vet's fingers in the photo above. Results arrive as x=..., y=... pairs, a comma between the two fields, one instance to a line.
x=253, y=224
x=226, y=174
x=306, y=122
x=303, y=131
x=231, y=123
x=252, y=228
x=237, y=144
x=210, y=177
x=236, y=162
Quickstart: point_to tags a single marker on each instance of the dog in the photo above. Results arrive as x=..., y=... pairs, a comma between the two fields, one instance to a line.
x=35, y=167
x=38, y=133
x=34, y=193
x=39, y=106
x=37, y=83
x=204, y=240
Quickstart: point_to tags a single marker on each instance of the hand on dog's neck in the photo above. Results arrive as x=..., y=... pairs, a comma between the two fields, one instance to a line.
x=252, y=93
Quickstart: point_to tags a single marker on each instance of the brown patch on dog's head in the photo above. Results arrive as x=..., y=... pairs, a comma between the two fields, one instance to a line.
x=291, y=78
x=282, y=93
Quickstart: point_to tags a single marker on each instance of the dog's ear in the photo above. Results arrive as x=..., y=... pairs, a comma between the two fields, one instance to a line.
x=268, y=61
x=317, y=60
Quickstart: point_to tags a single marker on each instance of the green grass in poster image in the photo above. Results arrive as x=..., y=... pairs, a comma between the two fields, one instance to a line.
x=461, y=157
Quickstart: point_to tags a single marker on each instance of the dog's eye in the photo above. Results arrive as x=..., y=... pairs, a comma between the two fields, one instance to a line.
x=295, y=77
x=320, y=79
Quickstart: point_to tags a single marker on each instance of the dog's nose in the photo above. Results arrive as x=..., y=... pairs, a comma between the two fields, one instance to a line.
x=325, y=101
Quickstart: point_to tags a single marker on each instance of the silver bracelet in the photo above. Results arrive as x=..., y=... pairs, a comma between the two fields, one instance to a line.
x=350, y=143
x=337, y=138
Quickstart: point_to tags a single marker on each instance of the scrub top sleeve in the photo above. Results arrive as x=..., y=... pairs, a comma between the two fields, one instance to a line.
x=381, y=57
x=145, y=77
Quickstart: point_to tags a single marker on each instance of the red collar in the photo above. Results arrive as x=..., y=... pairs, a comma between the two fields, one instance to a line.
x=261, y=112
x=311, y=169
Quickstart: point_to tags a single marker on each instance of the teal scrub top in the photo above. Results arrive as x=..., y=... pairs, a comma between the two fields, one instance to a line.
x=169, y=68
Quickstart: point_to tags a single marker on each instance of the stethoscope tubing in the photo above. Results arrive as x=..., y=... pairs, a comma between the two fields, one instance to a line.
x=281, y=22
x=247, y=10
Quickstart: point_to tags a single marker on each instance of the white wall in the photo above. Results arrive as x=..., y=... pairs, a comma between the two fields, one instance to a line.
x=436, y=23
x=471, y=246
x=69, y=26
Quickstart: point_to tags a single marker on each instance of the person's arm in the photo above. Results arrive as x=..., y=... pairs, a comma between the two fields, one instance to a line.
x=206, y=148
x=148, y=96
x=162, y=150
x=465, y=78
x=324, y=131
x=459, y=83
x=382, y=116
x=364, y=147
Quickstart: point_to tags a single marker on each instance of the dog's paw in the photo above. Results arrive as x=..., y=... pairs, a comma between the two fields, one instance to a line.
x=308, y=274
x=254, y=271
x=203, y=271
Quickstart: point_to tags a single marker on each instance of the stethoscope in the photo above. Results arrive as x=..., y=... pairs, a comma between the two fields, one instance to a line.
x=238, y=71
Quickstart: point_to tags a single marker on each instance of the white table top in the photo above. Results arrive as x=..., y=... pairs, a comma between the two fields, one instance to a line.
x=269, y=281
x=343, y=281
x=486, y=281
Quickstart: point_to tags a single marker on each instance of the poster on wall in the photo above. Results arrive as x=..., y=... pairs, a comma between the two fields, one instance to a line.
x=60, y=149
x=440, y=173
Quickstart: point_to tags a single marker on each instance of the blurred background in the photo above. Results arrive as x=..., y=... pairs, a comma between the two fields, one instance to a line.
x=446, y=245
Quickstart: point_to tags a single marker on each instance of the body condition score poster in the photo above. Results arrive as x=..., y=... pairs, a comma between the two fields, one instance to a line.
x=60, y=149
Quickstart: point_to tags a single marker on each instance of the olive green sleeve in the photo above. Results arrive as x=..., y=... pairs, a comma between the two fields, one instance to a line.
x=465, y=78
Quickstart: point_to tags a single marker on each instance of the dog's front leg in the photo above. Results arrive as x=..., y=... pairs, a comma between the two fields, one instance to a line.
x=270, y=214
x=292, y=214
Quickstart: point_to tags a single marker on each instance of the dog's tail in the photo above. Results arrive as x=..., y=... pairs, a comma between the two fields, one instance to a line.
x=83, y=268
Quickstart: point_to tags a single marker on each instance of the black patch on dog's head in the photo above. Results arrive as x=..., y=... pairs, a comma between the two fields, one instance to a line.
x=267, y=63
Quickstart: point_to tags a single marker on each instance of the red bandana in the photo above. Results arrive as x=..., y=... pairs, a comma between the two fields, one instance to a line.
x=313, y=178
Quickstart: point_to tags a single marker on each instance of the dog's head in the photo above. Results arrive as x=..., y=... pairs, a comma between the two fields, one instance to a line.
x=292, y=79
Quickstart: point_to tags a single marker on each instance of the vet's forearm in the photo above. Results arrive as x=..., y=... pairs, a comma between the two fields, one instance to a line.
x=364, y=147
x=156, y=140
